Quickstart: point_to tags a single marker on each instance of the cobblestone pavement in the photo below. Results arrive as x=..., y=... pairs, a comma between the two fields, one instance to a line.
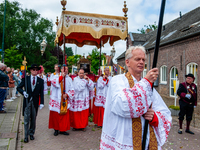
x=45, y=140
x=183, y=141
x=89, y=140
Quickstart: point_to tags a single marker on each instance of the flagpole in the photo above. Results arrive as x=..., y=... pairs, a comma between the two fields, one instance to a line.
x=154, y=62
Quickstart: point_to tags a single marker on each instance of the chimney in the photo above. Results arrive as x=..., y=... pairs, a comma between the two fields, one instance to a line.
x=180, y=15
x=148, y=30
x=164, y=28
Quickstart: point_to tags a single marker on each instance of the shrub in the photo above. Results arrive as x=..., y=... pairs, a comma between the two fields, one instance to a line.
x=174, y=107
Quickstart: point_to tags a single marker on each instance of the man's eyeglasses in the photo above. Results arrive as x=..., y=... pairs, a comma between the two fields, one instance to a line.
x=34, y=69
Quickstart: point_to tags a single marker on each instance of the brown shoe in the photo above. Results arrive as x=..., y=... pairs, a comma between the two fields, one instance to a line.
x=84, y=129
x=3, y=111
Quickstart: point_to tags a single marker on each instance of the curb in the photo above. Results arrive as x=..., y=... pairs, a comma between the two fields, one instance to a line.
x=13, y=142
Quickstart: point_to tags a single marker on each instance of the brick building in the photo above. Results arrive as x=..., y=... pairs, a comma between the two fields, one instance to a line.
x=179, y=51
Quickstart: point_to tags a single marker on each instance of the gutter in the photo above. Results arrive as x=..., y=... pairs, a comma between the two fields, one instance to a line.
x=131, y=36
x=177, y=39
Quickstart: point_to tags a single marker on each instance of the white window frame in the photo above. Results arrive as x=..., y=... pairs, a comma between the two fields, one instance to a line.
x=144, y=71
x=162, y=81
x=171, y=85
x=192, y=68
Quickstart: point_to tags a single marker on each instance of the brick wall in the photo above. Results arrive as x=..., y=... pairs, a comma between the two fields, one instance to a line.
x=178, y=54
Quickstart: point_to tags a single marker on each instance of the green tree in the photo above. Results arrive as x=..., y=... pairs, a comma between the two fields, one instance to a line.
x=68, y=51
x=152, y=27
x=13, y=58
x=72, y=60
x=26, y=29
x=49, y=65
x=94, y=58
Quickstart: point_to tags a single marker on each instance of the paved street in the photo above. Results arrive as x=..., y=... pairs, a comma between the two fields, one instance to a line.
x=45, y=140
x=77, y=140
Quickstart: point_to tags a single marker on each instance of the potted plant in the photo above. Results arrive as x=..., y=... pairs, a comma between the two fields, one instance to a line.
x=174, y=110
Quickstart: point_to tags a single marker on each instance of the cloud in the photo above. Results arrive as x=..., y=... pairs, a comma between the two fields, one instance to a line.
x=140, y=13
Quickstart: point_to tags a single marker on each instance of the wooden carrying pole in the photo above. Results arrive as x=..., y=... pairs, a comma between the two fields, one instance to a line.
x=155, y=62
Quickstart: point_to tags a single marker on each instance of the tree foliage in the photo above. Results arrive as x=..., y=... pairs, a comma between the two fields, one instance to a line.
x=49, y=65
x=152, y=27
x=68, y=51
x=72, y=60
x=13, y=58
x=26, y=29
x=94, y=58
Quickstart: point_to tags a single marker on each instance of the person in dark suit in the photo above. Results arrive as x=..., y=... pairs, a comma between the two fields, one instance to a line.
x=35, y=87
x=187, y=92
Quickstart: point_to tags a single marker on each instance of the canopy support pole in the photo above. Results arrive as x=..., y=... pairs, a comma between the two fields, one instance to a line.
x=63, y=49
x=100, y=55
x=58, y=52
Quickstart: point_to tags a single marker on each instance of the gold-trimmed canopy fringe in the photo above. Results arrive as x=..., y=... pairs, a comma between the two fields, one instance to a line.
x=89, y=29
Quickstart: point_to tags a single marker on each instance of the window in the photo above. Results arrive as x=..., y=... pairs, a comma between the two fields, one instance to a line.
x=163, y=74
x=192, y=68
x=144, y=71
x=173, y=73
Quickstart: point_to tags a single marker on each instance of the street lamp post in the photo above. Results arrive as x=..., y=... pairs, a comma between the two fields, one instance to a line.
x=43, y=47
x=112, y=56
x=4, y=20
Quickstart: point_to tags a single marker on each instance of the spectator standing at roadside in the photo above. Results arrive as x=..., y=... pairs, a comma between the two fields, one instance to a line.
x=188, y=100
x=3, y=86
x=16, y=83
x=11, y=84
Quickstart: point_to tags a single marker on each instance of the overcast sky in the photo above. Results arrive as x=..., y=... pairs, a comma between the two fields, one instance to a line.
x=140, y=13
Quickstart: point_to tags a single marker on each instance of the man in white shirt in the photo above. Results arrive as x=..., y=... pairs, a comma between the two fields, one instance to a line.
x=79, y=109
x=35, y=87
x=127, y=106
x=100, y=99
x=60, y=122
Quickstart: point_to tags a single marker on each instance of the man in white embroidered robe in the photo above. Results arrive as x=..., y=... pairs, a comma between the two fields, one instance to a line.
x=79, y=109
x=100, y=100
x=125, y=104
x=56, y=121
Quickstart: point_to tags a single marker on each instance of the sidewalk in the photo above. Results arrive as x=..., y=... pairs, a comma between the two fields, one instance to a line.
x=11, y=133
x=9, y=123
x=45, y=140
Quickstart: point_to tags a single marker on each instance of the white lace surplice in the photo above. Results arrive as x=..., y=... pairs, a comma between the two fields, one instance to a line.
x=124, y=103
x=81, y=98
x=55, y=92
x=101, y=93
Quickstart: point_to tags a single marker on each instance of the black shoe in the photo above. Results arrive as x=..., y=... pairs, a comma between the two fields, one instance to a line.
x=56, y=133
x=180, y=131
x=32, y=137
x=25, y=140
x=188, y=131
x=64, y=133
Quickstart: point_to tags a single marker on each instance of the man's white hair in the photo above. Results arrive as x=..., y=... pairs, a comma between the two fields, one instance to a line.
x=129, y=54
x=2, y=65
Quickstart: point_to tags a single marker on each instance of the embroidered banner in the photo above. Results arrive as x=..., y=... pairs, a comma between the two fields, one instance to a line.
x=86, y=28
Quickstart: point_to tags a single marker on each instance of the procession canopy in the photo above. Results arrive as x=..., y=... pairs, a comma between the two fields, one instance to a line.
x=89, y=29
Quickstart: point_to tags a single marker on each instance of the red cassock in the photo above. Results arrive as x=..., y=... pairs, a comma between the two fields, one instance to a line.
x=98, y=115
x=79, y=119
x=59, y=122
